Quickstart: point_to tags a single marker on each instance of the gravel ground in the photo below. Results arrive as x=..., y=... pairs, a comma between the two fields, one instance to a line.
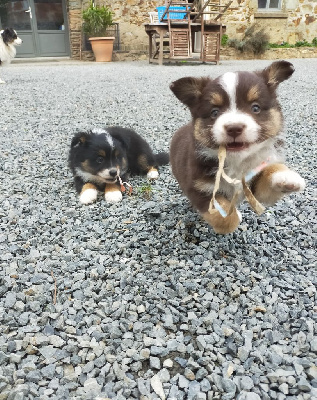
x=142, y=300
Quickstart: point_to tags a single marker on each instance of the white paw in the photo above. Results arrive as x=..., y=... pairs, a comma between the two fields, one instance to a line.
x=88, y=196
x=1, y=81
x=113, y=196
x=288, y=181
x=153, y=174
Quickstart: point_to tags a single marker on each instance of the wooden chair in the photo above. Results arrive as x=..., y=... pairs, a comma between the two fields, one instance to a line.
x=179, y=29
x=156, y=38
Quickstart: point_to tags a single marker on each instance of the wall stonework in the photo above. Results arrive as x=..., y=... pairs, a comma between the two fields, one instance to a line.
x=296, y=21
x=227, y=53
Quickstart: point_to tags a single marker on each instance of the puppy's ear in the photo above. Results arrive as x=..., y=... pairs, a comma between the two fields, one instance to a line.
x=189, y=90
x=277, y=72
x=80, y=139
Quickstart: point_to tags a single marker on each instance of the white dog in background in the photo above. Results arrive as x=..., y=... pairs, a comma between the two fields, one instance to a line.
x=8, y=40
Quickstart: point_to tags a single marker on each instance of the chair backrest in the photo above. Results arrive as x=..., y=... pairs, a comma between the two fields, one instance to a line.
x=154, y=17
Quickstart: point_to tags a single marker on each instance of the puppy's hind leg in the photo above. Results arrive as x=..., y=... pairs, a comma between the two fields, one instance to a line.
x=149, y=163
x=146, y=166
x=220, y=224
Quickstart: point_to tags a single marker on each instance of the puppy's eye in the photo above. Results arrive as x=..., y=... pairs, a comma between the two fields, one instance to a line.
x=255, y=108
x=99, y=160
x=214, y=112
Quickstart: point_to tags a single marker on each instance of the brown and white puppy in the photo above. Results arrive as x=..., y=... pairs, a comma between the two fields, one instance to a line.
x=238, y=110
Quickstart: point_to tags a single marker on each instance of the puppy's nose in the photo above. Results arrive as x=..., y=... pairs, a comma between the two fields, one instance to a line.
x=234, y=130
x=113, y=172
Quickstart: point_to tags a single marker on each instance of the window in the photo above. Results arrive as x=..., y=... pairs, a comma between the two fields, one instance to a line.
x=269, y=5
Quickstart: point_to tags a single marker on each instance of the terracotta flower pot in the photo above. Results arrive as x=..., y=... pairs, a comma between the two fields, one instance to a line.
x=102, y=48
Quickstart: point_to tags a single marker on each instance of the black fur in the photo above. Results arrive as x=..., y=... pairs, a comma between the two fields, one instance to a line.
x=118, y=150
x=8, y=36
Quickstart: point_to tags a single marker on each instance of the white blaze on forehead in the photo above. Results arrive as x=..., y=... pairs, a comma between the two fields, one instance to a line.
x=109, y=139
x=229, y=82
x=232, y=116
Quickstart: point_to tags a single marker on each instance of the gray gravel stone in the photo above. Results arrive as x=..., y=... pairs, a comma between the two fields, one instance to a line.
x=145, y=291
x=246, y=383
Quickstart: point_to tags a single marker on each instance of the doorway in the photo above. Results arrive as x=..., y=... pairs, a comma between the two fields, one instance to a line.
x=41, y=24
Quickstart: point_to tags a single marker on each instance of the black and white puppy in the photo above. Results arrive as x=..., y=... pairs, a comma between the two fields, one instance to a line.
x=101, y=157
x=8, y=40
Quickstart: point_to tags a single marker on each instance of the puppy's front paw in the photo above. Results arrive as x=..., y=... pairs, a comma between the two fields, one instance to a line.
x=113, y=196
x=88, y=196
x=287, y=181
x=152, y=174
x=1, y=81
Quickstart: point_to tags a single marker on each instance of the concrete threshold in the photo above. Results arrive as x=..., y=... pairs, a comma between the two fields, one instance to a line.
x=27, y=60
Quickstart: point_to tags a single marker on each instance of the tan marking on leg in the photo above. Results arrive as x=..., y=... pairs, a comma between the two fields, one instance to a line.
x=152, y=169
x=222, y=225
x=88, y=186
x=262, y=185
x=110, y=187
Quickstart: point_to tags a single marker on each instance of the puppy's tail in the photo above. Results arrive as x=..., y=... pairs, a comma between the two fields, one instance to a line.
x=162, y=158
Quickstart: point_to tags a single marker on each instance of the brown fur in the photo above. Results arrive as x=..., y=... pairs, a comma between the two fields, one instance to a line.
x=88, y=186
x=111, y=188
x=194, y=147
x=262, y=188
x=222, y=225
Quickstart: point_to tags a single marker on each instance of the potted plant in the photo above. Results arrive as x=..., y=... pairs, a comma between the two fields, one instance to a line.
x=96, y=20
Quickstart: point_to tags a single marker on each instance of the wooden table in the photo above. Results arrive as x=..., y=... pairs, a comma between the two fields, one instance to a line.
x=161, y=29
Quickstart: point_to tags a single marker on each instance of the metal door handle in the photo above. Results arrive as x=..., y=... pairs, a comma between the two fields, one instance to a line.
x=29, y=11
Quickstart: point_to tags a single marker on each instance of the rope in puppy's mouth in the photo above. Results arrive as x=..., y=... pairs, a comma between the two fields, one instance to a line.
x=125, y=186
x=214, y=206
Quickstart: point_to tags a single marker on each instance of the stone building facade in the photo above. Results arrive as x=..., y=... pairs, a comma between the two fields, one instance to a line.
x=295, y=20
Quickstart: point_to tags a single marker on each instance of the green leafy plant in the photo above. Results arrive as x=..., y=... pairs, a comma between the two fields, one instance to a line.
x=301, y=43
x=96, y=20
x=254, y=40
x=284, y=45
x=145, y=191
x=224, y=40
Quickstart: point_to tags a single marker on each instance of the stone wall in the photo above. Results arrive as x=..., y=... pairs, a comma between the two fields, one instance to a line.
x=227, y=53
x=296, y=21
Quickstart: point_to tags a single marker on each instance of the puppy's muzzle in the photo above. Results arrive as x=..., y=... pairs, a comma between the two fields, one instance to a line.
x=234, y=130
x=113, y=172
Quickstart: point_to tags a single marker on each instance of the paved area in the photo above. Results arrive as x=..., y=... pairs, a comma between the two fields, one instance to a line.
x=141, y=300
